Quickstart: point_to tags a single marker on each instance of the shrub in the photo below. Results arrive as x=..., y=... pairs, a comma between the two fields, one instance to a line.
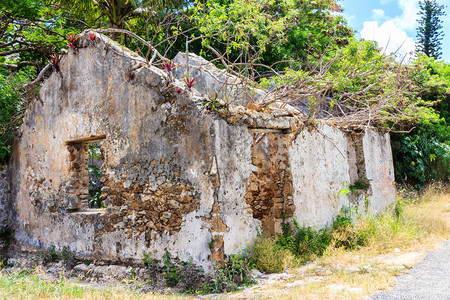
x=184, y=275
x=349, y=233
x=269, y=257
x=52, y=255
x=420, y=158
x=12, y=105
x=304, y=242
x=49, y=255
x=235, y=271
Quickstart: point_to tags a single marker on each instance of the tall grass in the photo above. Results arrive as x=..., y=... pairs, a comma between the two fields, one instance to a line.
x=25, y=285
x=416, y=221
x=32, y=285
x=412, y=222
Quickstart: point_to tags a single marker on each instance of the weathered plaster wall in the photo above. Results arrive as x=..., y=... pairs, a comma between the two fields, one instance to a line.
x=176, y=177
x=320, y=169
x=326, y=160
x=379, y=169
x=4, y=196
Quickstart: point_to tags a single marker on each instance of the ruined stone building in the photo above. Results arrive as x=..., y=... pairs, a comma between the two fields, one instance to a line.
x=176, y=176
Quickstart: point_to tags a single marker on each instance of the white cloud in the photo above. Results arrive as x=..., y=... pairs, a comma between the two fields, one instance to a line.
x=377, y=14
x=407, y=20
x=390, y=38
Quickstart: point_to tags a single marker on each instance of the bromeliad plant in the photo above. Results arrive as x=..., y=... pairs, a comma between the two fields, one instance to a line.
x=56, y=58
x=73, y=41
x=91, y=36
x=169, y=66
x=190, y=81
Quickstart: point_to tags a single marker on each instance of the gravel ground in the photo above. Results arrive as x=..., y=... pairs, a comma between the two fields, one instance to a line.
x=429, y=279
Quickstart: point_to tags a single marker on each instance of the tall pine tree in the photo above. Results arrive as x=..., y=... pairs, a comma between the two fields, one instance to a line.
x=429, y=32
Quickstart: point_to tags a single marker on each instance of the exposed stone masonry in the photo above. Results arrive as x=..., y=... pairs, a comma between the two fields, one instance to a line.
x=269, y=190
x=78, y=187
x=138, y=209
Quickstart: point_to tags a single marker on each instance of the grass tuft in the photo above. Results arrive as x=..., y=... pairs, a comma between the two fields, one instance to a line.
x=269, y=257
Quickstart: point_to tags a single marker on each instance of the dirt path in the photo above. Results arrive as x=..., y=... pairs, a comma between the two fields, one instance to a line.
x=318, y=281
x=429, y=279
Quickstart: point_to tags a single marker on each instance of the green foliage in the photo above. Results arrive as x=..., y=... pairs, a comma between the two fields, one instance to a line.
x=12, y=104
x=361, y=80
x=421, y=158
x=423, y=155
x=429, y=31
x=304, y=242
x=95, y=174
x=271, y=32
x=347, y=233
x=214, y=105
x=52, y=255
x=234, y=272
x=268, y=256
x=67, y=256
x=239, y=22
x=433, y=79
x=31, y=285
x=49, y=255
x=150, y=263
x=360, y=184
x=175, y=272
x=32, y=31
x=171, y=270
x=228, y=276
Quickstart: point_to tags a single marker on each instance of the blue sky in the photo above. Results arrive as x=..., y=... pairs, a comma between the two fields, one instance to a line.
x=392, y=23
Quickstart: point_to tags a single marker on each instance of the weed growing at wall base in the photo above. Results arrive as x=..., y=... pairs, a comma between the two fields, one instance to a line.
x=409, y=222
x=229, y=275
x=232, y=273
x=52, y=255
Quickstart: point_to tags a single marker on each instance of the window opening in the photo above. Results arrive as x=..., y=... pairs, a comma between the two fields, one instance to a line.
x=85, y=185
x=95, y=174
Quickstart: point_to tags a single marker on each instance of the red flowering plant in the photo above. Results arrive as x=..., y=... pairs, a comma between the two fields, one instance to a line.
x=91, y=36
x=73, y=41
x=190, y=81
x=169, y=66
x=55, y=61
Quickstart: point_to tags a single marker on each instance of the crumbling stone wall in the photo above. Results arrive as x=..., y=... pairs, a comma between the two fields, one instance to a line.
x=379, y=169
x=78, y=185
x=270, y=190
x=328, y=160
x=176, y=177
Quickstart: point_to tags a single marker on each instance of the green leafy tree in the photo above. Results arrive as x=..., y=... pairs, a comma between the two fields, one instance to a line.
x=429, y=32
x=424, y=154
x=117, y=12
x=267, y=35
x=12, y=105
x=31, y=31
